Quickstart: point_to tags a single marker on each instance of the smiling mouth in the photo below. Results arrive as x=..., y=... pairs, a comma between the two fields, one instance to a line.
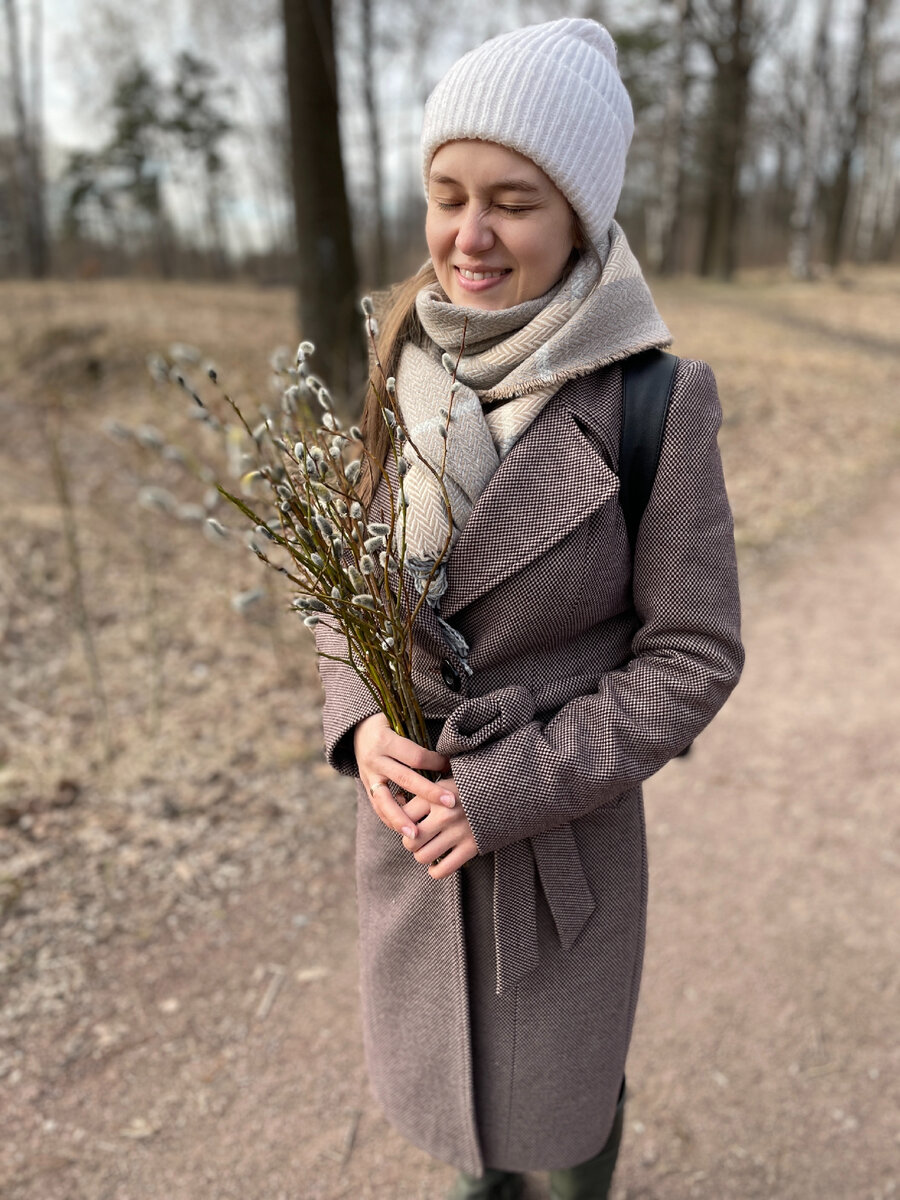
x=477, y=276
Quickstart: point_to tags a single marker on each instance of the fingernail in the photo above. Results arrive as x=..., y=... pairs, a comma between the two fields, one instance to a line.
x=408, y=831
x=448, y=800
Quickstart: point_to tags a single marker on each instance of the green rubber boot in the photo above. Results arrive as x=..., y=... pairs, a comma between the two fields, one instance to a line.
x=492, y=1185
x=591, y=1180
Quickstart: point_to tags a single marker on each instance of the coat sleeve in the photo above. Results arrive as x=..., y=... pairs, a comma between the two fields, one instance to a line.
x=347, y=699
x=518, y=775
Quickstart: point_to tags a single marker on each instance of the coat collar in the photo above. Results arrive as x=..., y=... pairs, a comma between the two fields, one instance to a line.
x=550, y=481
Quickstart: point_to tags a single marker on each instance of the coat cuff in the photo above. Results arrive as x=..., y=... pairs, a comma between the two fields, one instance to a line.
x=484, y=719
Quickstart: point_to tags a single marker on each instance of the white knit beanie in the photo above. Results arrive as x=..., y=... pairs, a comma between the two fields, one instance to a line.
x=553, y=93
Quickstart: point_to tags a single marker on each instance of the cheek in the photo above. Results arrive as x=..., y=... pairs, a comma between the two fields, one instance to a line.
x=435, y=237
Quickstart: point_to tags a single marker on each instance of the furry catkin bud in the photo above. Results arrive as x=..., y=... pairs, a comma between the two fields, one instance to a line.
x=378, y=530
x=364, y=600
x=216, y=527
x=367, y=564
x=448, y=362
x=353, y=471
x=157, y=497
x=356, y=511
x=311, y=621
x=191, y=512
x=150, y=436
x=391, y=384
x=402, y=467
x=243, y=600
x=368, y=308
x=356, y=580
x=356, y=433
x=374, y=544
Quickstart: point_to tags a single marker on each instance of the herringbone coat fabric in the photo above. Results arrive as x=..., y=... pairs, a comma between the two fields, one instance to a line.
x=498, y=1004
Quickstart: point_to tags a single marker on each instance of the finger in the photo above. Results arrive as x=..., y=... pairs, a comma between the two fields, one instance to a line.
x=457, y=858
x=414, y=755
x=389, y=811
x=416, y=785
x=441, y=843
x=417, y=809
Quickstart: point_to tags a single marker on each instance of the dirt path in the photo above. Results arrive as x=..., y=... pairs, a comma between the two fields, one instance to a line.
x=223, y=1060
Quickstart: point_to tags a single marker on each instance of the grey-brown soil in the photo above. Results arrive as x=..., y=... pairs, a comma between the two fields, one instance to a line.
x=178, y=1009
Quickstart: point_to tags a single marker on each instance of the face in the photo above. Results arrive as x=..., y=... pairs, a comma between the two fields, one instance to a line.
x=498, y=231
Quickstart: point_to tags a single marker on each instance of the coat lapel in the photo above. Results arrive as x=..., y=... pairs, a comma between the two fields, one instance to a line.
x=551, y=481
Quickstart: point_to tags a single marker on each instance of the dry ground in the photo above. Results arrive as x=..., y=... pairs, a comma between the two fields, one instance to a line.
x=177, y=973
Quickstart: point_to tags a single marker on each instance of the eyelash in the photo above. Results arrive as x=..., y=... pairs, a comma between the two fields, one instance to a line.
x=509, y=209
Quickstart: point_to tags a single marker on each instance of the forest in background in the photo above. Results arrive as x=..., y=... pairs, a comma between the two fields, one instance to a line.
x=279, y=142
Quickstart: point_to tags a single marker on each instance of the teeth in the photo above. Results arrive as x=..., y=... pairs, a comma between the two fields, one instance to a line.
x=476, y=275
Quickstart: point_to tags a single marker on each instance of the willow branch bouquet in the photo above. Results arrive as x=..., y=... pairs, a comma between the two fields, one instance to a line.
x=298, y=500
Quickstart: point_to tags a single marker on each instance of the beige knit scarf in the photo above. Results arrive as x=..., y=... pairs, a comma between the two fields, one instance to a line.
x=512, y=362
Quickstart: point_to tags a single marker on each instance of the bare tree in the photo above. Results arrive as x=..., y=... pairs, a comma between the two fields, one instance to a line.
x=326, y=265
x=373, y=131
x=726, y=28
x=804, y=212
x=28, y=128
x=663, y=246
x=852, y=131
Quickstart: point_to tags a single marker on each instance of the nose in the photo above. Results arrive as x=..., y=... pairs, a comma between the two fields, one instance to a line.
x=474, y=235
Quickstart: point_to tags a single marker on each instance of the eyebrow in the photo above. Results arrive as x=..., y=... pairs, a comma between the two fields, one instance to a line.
x=502, y=185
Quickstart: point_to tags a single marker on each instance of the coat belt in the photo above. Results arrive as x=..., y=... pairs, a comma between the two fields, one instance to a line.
x=554, y=857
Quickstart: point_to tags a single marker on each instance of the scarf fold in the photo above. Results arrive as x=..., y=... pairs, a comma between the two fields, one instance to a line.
x=513, y=360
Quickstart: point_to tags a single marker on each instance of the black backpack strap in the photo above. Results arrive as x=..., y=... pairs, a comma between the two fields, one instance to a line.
x=647, y=388
x=647, y=381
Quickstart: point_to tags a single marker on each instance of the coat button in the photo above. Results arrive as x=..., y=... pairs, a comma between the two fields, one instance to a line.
x=450, y=675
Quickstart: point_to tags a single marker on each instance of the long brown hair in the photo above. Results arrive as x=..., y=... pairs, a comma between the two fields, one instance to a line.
x=398, y=324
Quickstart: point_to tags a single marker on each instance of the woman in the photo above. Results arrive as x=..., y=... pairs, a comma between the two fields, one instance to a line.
x=502, y=907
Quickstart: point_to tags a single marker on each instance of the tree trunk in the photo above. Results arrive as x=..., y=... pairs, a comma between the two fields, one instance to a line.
x=804, y=211
x=854, y=132
x=664, y=248
x=28, y=168
x=326, y=265
x=730, y=96
x=373, y=127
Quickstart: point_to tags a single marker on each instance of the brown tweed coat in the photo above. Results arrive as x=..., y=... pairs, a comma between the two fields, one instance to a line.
x=498, y=1004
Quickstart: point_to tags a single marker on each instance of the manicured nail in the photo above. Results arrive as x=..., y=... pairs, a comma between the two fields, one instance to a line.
x=448, y=800
x=408, y=831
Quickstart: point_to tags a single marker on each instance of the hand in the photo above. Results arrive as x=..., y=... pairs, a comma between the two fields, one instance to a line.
x=444, y=834
x=384, y=756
